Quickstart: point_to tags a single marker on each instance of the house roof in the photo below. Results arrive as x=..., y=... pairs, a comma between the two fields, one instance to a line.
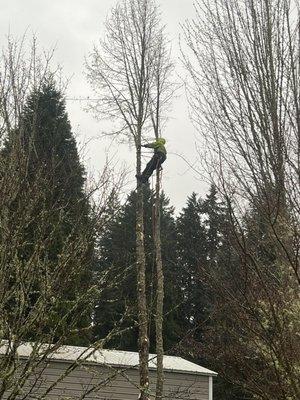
x=113, y=358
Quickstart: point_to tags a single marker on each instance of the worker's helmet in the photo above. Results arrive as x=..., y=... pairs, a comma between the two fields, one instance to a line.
x=161, y=141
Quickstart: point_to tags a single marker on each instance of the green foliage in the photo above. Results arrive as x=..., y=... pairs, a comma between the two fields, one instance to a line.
x=200, y=233
x=117, y=258
x=191, y=251
x=48, y=215
x=204, y=255
x=192, y=244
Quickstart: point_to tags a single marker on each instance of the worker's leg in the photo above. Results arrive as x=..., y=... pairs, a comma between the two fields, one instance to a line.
x=161, y=159
x=150, y=167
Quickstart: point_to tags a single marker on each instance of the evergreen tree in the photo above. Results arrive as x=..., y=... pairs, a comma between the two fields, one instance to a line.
x=117, y=258
x=45, y=138
x=222, y=260
x=191, y=252
x=215, y=222
x=204, y=251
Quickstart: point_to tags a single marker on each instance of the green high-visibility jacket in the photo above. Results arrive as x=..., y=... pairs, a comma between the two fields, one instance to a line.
x=158, y=146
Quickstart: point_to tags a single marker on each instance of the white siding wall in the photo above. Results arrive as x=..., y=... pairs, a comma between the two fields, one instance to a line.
x=122, y=387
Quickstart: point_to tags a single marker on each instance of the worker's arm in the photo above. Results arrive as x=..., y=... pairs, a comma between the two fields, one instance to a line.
x=149, y=145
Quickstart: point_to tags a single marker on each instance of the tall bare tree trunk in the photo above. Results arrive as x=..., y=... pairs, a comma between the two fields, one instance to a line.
x=160, y=293
x=141, y=285
x=131, y=75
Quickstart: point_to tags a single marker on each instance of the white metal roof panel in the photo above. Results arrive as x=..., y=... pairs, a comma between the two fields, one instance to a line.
x=114, y=358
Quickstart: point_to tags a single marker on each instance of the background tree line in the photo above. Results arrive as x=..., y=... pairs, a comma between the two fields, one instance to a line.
x=193, y=241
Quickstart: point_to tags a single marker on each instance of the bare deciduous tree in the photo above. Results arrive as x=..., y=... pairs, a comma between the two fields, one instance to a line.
x=163, y=89
x=243, y=61
x=123, y=72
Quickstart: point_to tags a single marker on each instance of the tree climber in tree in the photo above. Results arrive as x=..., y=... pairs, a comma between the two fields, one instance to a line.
x=159, y=156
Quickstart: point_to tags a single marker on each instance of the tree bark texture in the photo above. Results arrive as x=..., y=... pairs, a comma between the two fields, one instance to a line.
x=159, y=294
x=141, y=288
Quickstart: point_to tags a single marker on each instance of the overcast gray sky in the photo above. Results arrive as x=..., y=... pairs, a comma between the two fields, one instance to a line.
x=72, y=26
